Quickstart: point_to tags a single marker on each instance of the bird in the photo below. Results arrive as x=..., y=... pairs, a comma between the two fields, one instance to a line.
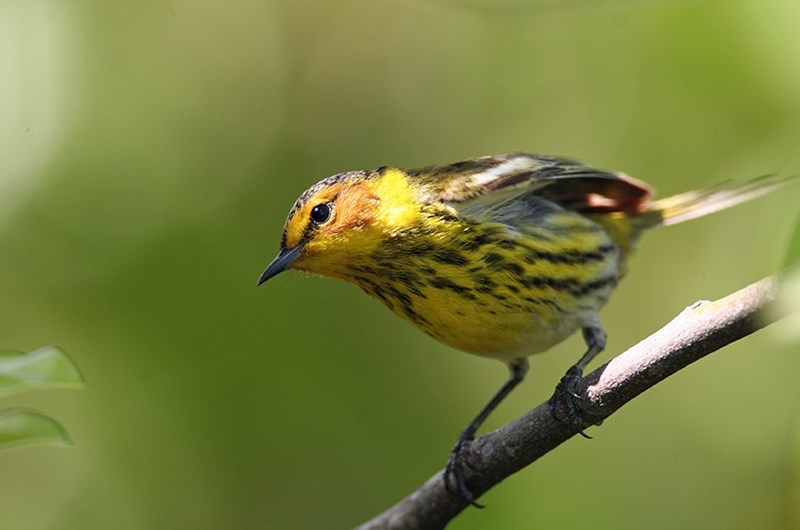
x=501, y=256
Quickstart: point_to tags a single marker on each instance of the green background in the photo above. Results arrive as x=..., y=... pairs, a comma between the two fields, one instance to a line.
x=149, y=152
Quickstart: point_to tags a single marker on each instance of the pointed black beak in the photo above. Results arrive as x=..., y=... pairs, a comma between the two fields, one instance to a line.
x=281, y=262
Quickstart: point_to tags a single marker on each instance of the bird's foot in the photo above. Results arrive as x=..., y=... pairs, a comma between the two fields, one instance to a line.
x=455, y=480
x=567, y=393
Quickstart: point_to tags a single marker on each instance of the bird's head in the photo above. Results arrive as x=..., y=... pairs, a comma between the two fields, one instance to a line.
x=339, y=222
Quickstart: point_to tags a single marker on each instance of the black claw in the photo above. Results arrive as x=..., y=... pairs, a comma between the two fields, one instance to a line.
x=455, y=468
x=567, y=393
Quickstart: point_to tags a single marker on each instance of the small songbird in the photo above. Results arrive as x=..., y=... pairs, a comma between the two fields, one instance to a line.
x=500, y=256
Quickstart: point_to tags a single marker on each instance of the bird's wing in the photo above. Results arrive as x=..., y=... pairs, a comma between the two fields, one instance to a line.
x=490, y=180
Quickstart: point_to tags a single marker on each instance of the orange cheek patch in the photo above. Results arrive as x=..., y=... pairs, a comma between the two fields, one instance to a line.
x=353, y=209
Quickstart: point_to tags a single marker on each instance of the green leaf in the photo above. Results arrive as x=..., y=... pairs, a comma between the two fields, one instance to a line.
x=22, y=427
x=45, y=366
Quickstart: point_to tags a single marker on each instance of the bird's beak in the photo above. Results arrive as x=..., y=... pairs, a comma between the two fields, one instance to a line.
x=281, y=262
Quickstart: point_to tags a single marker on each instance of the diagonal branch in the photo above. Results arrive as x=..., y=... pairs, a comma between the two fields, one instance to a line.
x=700, y=329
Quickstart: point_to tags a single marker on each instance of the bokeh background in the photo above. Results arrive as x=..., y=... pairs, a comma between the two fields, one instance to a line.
x=149, y=152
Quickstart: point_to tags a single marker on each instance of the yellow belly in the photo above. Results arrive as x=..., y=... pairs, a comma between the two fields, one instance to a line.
x=503, y=329
x=485, y=327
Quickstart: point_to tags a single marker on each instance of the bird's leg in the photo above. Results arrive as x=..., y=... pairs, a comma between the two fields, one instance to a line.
x=458, y=460
x=567, y=388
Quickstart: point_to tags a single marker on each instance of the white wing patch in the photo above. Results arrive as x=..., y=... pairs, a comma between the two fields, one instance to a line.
x=516, y=165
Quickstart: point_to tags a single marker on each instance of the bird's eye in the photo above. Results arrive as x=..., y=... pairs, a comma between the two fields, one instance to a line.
x=321, y=213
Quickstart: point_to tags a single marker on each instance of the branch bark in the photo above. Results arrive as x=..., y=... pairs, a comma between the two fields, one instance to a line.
x=700, y=329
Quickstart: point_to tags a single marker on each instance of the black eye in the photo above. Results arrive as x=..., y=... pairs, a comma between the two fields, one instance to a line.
x=321, y=213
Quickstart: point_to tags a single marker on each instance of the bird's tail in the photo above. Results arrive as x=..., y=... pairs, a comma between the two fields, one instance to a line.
x=693, y=204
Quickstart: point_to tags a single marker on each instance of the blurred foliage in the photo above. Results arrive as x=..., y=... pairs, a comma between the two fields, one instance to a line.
x=43, y=367
x=793, y=254
x=24, y=427
x=149, y=152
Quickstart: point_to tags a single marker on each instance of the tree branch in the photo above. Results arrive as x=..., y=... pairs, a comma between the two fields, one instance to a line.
x=700, y=329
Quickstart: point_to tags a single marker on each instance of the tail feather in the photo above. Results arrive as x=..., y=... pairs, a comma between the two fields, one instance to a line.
x=693, y=204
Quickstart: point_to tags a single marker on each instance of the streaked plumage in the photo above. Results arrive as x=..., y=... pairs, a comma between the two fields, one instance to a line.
x=501, y=256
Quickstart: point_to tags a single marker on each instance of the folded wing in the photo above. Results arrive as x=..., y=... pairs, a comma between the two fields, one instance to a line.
x=482, y=182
